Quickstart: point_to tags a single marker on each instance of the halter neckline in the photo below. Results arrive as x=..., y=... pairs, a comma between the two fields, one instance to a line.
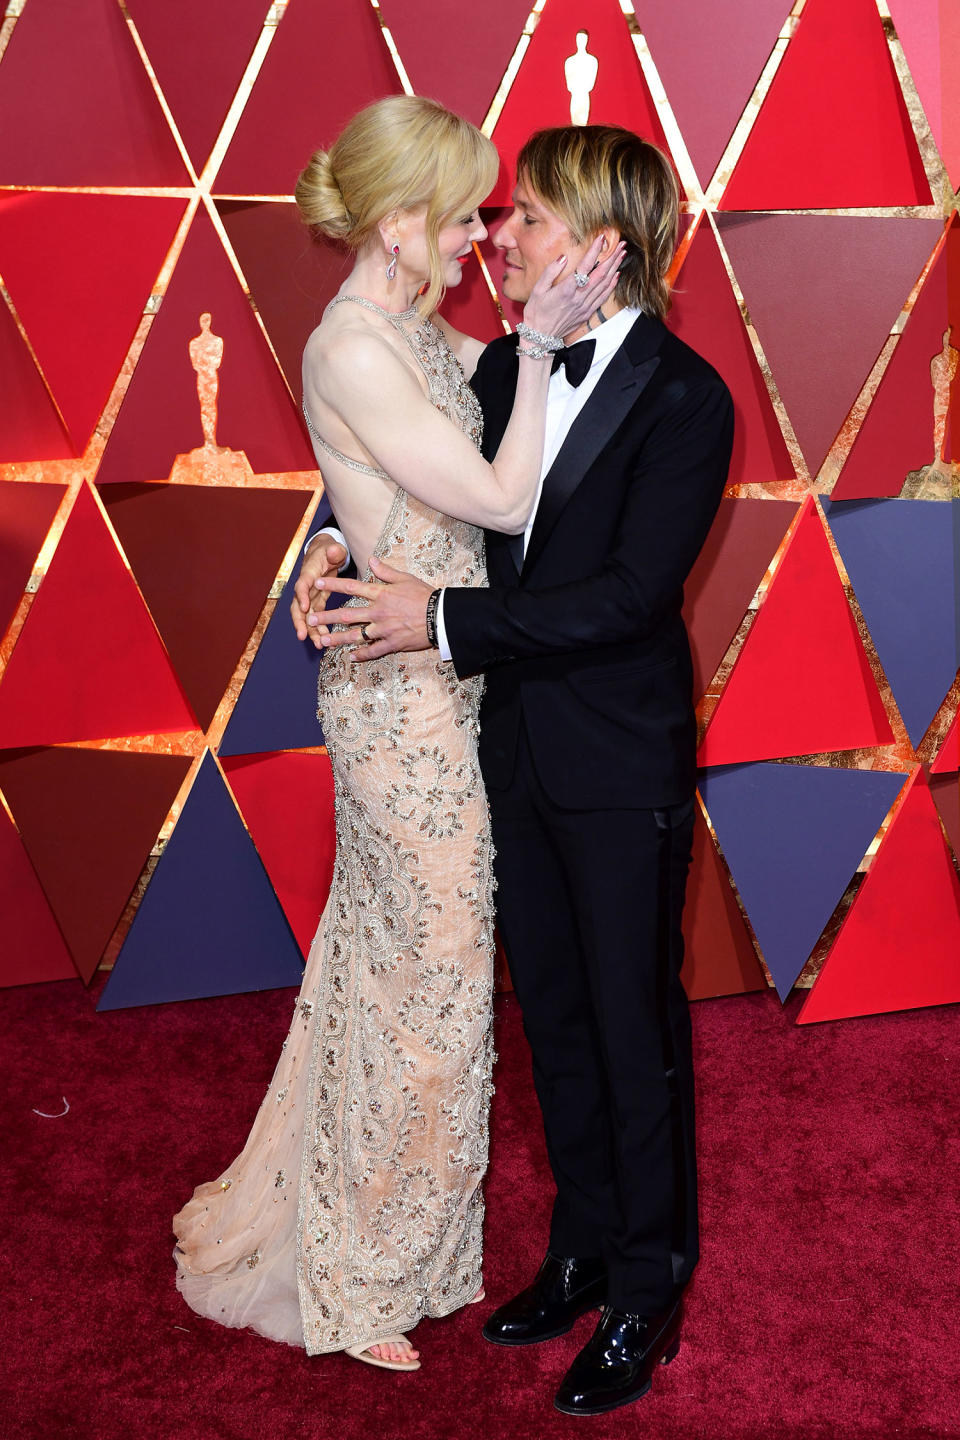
x=391, y=315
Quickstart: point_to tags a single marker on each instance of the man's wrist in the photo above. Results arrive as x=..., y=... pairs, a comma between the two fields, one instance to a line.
x=443, y=644
x=334, y=534
x=433, y=639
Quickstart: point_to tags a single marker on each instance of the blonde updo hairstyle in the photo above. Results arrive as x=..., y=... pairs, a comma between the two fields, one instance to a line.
x=401, y=153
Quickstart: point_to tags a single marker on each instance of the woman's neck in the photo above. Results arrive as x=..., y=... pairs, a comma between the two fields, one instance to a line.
x=368, y=279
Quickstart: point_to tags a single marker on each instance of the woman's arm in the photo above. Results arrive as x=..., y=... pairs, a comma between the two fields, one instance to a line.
x=358, y=374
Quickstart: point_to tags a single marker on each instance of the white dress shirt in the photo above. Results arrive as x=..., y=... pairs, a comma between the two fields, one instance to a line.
x=564, y=403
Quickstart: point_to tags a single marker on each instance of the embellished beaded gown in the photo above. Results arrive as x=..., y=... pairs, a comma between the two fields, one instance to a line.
x=355, y=1207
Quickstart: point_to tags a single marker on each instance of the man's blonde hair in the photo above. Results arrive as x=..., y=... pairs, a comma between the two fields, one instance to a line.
x=598, y=175
x=404, y=152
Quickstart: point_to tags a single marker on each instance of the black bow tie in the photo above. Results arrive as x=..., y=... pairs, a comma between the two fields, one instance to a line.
x=576, y=360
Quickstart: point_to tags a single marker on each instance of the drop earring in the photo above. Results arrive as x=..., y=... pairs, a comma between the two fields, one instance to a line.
x=392, y=267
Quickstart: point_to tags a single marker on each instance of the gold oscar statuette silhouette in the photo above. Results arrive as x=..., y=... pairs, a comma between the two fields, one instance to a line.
x=939, y=479
x=210, y=463
x=943, y=369
x=206, y=355
x=580, y=73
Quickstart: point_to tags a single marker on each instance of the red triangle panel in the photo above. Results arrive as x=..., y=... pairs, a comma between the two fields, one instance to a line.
x=802, y=684
x=833, y=131
x=742, y=541
x=945, y=790
x=26, y=511
x=539, y=97
x=31, y=946
x=949, y=93
x=88, y=819
x=287, y=802
x=255, y=412
x=719, y=958
x=320, y=70
x=79, y=306
x=929, y=31
x=822, y=332
x=898, y=434
x=30, y=427
x=204, y=558
x=88, y=664
x=899, y=947
x=709, y=57
x=198, y=54
x=291, y=275
x=706, y=315
x=77, y=106
x=433, y=48
x=948, y=760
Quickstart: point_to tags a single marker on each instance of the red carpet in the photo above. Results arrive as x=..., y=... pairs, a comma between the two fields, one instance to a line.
x=825, y=1305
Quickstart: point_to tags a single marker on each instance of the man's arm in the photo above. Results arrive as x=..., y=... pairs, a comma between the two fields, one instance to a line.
x=671, y=502
x=324, y=556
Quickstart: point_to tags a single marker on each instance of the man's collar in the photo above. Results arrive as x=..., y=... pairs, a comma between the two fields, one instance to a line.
x=611, y=334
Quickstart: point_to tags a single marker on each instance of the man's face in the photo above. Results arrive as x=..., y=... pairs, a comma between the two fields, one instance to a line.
x=530, y=238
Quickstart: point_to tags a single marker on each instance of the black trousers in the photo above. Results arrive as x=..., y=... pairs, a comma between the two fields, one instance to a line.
x=589, y=907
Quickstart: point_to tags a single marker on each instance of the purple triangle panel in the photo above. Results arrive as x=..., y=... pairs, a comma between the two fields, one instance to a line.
x=822, y=332
x=710, y=55
x=209, y=923
x=902, y=562
x=277, y=707
x=793, y=836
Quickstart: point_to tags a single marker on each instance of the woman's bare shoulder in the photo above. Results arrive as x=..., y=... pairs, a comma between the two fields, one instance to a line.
x=348, y=348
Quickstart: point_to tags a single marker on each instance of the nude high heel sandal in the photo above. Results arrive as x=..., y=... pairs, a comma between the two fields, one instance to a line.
x=362, y=1352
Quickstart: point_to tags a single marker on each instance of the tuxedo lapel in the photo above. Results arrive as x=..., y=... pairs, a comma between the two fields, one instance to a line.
x=617, y=391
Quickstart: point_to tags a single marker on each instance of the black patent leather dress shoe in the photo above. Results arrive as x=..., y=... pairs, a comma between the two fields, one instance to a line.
x=617, y=1362
x=562, y=1291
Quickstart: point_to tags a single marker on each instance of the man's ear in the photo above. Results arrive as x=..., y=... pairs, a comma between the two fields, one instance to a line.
x=611, y=237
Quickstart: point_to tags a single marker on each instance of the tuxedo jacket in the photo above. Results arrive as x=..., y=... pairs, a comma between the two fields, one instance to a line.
x=584, y=643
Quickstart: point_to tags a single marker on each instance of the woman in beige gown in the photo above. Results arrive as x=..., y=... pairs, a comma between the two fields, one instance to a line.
x=355, y=1207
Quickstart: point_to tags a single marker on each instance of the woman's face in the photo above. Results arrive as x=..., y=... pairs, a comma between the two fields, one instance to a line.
x=454, y=242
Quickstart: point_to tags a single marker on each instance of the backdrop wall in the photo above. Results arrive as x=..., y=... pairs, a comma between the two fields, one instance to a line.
x=166, y=798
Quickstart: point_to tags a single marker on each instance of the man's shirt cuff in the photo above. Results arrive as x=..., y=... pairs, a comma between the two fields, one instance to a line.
x=442, y=644
x=334, y=534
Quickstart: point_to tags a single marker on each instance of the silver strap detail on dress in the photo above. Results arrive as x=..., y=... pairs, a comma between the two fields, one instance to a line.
x=412, y=314
x=338, y=454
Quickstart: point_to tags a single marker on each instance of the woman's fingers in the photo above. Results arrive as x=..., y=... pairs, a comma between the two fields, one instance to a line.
x=342, y=586
x=348, y=629
x=592, y=256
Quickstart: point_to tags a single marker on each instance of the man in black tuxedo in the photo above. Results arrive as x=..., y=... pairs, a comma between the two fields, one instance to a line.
x=587, y=747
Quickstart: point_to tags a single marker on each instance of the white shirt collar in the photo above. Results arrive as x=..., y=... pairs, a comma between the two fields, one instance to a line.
x=611, y=334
